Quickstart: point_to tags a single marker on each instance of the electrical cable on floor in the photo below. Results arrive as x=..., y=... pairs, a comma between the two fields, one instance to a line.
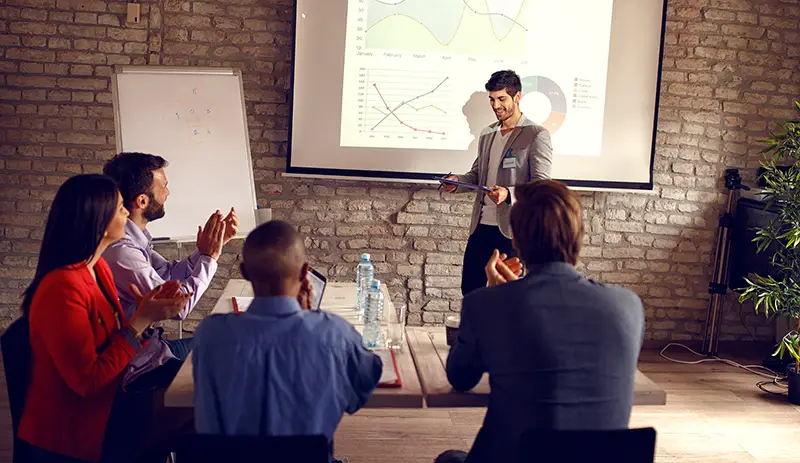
x=775, y=377
x=777, y=382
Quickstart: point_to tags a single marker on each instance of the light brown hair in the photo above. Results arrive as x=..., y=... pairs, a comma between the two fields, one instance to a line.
x=547, y=222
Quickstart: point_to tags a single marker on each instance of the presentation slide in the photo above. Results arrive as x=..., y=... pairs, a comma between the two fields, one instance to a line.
x=396, y=88
x=411, y=67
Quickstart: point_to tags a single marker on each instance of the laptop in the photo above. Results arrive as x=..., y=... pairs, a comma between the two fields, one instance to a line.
x=318, y=283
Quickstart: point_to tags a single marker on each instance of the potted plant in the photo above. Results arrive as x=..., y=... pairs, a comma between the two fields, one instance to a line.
x=779, y=294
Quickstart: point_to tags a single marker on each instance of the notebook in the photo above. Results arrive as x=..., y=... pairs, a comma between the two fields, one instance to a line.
x=390, y=377
x=240, y=304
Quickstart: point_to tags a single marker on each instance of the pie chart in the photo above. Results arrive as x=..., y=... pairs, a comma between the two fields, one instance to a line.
x=551, y=90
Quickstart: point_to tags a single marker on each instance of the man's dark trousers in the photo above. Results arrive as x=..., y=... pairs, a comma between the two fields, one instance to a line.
x=480, y=246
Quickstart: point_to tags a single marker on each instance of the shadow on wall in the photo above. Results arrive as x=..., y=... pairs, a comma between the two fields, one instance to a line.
x=479, y=115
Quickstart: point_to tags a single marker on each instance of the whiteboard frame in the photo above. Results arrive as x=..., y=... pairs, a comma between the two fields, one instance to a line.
x=187, y=70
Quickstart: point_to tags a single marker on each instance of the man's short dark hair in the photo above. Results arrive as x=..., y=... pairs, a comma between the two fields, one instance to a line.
x=272, y=252
x=508, y=80
x=547, y=223
x=133, y=172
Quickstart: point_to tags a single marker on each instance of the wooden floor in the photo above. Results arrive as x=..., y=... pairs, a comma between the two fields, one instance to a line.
x=714, y=413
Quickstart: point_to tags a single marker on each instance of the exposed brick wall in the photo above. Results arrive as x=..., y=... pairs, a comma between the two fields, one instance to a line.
x=730, y=69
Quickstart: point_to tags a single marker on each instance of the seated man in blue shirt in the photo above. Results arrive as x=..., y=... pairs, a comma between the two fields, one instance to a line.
x=278, y=369
x=560, y=350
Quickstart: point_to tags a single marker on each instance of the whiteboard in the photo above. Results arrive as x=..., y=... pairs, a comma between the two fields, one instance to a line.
x=195, y=118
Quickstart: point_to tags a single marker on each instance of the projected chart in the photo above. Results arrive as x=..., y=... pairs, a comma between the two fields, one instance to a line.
x=404, y=108
x=411, y=105
x=551, y=90
x=415, y=70
x=476, y=27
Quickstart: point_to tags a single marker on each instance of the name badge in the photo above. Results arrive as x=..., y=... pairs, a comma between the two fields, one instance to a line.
x=510, y=162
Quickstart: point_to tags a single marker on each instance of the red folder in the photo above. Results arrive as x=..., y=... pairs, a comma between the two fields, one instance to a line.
x=396, y=381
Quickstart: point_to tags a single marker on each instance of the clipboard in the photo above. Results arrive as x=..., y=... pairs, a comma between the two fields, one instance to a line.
x=465, y=185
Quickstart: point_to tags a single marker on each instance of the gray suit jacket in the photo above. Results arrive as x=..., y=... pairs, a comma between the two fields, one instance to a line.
x=530, y=143
x=561, y=353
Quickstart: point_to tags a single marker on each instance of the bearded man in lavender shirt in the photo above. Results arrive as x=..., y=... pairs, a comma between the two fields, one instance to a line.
x=133, y=261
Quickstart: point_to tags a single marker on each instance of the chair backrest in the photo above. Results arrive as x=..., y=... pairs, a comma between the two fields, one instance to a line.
x=620, y=446
x=16, y=346
x=201, y=448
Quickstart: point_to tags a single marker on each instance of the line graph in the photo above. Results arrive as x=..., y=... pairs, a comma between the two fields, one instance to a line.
x=404, y=103
x=448, y=26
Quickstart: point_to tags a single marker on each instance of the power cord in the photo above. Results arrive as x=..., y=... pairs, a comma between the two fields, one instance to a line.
x=741, y=319
x=777, y=382
x=774, y=377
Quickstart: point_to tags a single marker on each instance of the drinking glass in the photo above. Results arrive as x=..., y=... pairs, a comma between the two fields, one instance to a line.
x=396, y=332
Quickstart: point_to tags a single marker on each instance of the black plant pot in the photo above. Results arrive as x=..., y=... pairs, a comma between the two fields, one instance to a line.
x=794, y=384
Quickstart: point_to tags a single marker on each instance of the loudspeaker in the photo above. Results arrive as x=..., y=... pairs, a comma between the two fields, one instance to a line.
x=744, y=260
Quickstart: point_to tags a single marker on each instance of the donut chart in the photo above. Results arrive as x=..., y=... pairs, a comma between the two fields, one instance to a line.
x=558, y=101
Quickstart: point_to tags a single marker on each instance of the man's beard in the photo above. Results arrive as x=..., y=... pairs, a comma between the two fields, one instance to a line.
x=154, y=211
x=504, y=115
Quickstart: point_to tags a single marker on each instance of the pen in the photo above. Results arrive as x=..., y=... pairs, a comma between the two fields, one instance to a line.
x=442, y=184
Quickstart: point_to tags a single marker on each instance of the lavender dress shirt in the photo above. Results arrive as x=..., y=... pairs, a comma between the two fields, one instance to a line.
x=134, y=261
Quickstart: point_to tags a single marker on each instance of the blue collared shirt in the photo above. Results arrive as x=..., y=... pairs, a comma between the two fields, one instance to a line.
x=277, y=370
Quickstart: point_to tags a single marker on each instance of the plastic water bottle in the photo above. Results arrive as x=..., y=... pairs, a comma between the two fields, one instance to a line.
x=365, y=272
x=373, y=308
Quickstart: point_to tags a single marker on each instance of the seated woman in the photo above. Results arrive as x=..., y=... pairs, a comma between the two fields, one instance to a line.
x=81, y=341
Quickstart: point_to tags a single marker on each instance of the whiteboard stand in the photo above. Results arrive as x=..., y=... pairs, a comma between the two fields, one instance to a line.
x=180, y=257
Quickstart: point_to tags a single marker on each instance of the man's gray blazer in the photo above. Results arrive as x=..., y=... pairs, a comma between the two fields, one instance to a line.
x=530, y=143
x=561, y=354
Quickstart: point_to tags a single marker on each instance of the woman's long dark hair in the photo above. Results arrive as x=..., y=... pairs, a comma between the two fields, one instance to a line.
x=82, y=209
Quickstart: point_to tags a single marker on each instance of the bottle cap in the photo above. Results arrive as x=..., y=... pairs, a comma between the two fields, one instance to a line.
x=376, y=284
x=365, y=256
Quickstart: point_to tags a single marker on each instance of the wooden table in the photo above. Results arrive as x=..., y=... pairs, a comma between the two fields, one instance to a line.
x=338, y=298
x=429, y=348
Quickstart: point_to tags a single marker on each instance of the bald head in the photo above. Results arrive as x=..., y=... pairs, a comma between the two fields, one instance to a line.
x=274, y=259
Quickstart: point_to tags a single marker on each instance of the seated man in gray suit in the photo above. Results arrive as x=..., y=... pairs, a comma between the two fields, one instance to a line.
x=560, y=350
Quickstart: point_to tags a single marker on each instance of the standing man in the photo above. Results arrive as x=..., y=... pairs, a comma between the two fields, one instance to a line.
x=512, y=151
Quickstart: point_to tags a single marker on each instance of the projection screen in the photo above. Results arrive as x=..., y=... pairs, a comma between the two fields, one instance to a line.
x=395, y=88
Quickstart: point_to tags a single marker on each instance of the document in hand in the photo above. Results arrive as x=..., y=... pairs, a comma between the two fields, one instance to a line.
x=465, y=185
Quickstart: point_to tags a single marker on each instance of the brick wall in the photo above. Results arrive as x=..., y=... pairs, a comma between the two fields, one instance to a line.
x=730, y=68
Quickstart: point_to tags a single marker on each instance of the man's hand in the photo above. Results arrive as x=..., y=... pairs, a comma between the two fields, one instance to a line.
x=306, y=295
x=210, y=239
x=498, y=272
x=450, y=188
x=231, y=226
x=498, y=195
